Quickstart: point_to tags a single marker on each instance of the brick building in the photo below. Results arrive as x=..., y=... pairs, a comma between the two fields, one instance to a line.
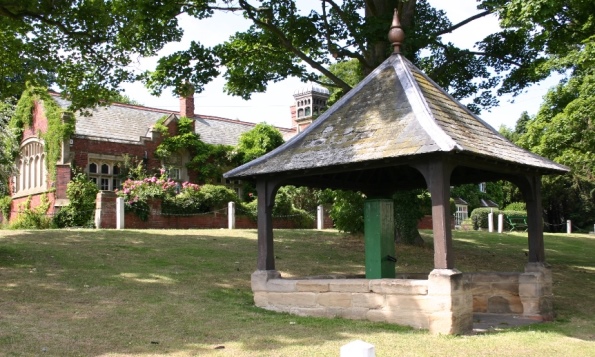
x=100, y=141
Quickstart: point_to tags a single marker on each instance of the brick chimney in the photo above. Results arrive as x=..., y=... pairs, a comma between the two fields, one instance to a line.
x=187, y=106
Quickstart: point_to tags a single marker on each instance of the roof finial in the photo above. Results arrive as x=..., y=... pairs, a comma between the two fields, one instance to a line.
x=396, y=35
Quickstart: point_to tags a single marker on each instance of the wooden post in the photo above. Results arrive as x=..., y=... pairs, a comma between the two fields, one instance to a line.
x=530, y=186
x=437, y=175
x=266, y=199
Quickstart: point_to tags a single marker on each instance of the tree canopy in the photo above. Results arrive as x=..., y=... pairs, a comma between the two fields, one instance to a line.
x=87, y=47
x=257, y=142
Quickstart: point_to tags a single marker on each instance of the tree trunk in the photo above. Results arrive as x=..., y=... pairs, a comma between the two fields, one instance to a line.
x=408, y=235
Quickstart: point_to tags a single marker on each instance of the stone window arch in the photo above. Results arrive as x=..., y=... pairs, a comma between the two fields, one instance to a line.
x=32, y=175
x=300, y=113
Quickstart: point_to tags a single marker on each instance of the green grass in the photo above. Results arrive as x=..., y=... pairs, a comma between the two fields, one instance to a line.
x=187, y=292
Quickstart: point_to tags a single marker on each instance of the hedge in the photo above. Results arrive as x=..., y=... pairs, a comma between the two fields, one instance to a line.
x=479, y=217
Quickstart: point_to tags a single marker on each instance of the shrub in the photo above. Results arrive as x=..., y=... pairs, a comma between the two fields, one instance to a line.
x=347, y=211
x=136, y=193
x=5, y=207
x=516, y=206
x=302, y=218
x=81, y=193
x=32, y=218
x=479, y=217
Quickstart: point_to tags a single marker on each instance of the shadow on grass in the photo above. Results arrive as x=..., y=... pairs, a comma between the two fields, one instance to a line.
x=87, y=292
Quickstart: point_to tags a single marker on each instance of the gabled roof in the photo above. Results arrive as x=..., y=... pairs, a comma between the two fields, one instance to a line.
x=395, y=112
x=130, y=123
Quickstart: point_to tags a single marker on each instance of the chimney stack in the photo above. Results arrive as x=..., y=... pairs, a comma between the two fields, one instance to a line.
x=187, y=106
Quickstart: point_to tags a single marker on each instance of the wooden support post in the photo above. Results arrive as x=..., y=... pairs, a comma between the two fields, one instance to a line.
x=437, y=175
x=530, y=186
x=266, y=199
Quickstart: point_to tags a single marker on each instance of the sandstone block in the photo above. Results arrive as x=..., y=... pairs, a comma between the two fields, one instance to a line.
x=506, y=288
x=369, y=301
x=332, y=299
x=445, y=282
x=295, y=299
x=281, y=285
x=399, y=286
x=259, y=279
x=450, y=324
x=317, y=286
x=350, y=285
x=480, y=304
x=404, y=302
x=311, y=311
x=260, y=299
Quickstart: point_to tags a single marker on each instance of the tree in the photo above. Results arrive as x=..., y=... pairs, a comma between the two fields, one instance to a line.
x=257, y=142
x=563, y=129
x=86, y=47
x=8, y=140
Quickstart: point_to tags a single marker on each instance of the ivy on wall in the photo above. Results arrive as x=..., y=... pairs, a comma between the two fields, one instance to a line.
x=207, y=160
x=60, y=124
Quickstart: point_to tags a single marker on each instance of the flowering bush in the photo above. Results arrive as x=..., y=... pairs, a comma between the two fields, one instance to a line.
x=136, y=193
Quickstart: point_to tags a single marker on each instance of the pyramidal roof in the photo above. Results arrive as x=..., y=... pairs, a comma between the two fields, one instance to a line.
x=395, y=112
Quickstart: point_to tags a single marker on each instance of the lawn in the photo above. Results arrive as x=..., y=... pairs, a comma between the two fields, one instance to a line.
x=187, y=293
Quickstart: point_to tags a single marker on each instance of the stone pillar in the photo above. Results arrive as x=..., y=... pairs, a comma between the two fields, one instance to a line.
x=500, y=223
x=320, y=217
x=568, y=226
x=105, y=209
x=535, y=291
x=453, y=302
x=231, y=215
x=120, y=213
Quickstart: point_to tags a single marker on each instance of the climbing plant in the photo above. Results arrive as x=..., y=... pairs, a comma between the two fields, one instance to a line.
x=60, y=124
x=207, y=160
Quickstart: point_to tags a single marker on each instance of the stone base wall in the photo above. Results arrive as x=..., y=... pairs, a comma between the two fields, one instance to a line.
x=495, y=293
x=528, y=294
x=439, y=303
x=443, y=302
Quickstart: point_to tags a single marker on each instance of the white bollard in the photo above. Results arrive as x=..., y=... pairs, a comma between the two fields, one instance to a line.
x=491, y=221
x=120, y=213
x=231, y=215
x=500, y=223
x=320, y=217
x=358, y=348
x=568, y=227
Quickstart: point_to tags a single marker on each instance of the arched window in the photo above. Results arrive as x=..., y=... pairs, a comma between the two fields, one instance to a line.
x=300, y=113
x=105, y=169
x=92, y=168
x=32, y=175
x=307, y=111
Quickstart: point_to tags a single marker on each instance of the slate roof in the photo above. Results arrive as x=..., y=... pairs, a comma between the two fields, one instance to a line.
x=395, y=112
x=129, y=123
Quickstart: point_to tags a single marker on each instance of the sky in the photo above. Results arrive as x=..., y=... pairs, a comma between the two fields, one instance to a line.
x=273, y=105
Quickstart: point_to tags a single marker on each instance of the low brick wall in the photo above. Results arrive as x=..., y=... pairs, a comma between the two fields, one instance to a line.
x=105, y=217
